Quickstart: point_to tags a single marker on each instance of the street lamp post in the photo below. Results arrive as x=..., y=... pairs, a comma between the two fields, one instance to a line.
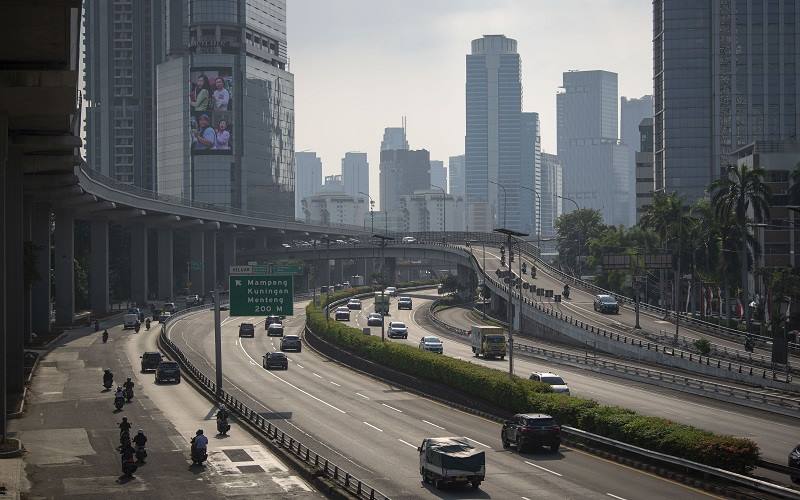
x=510, y=233
x=383, y=239
x=577, y=257
x=444, y=212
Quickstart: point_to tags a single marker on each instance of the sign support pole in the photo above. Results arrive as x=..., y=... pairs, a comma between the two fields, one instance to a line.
x=217, y=344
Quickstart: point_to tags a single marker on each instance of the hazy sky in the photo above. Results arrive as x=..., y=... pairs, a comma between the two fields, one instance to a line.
x=360, y=65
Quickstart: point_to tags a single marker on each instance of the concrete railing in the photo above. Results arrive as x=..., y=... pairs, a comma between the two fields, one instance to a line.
x=321, y=465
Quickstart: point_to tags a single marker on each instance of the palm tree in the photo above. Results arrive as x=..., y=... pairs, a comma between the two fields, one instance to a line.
x=741, y=192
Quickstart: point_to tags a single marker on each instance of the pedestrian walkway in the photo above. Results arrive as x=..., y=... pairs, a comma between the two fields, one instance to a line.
x=71, y=436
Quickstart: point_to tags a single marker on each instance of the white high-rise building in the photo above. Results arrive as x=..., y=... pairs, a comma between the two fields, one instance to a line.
x=551, y=185
x=335, y=208
x=308, y=178
x=426, y=210
x=438, y=174
x=455, y=175
x=597, y=167
x=355, y=173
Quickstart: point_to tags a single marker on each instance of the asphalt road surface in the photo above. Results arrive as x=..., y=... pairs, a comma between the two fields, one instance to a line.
x=372, y=429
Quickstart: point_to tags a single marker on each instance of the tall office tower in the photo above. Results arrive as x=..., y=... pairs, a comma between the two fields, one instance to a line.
x=597, y=167
x=403, y=172
x=741, y=85
x=123, y=45
x=225, y=124
x=645, y=183
x=531, y=172
x=355, y=173
x=455, y=171
x=551, y=194
x=492, y=140
x=632, y=111
x=394, y=138
x=438, y=174
x=308, y=178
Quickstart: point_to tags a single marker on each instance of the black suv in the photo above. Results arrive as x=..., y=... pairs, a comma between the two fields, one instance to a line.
x=247, y=330
x=794, y=464
x=531, y=430
x=168, y=371
x=606, y=304
x=150, y=361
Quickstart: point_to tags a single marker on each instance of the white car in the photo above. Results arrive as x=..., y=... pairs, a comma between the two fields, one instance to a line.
x=354, y=304
x=554, y=381
x=375, y=319
x=342, y=314
x=391, y=291
x=431, y=344
x=409, y=239
x=398, y=329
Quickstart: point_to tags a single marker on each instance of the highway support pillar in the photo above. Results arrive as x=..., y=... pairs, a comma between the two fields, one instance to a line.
x=98, y=268
x=228, y=257
x=65, y=266
x=197, y=250
x=27, y=237
x=390, y=266
x=140, y=289
x=338, y=271
x=14, y=279
x=40, y=290
x=210, y=262
x=166, y=275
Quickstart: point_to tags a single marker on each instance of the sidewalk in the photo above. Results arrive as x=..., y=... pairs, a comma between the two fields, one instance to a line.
x=70, y=432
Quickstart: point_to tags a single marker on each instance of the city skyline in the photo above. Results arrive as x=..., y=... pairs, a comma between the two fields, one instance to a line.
x=402, y=87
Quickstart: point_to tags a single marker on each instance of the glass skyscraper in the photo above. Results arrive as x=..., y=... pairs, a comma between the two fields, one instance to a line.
x=725, y=75
x=492, y=144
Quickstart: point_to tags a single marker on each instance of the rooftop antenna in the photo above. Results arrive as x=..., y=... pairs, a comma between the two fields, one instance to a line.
x=405, y=141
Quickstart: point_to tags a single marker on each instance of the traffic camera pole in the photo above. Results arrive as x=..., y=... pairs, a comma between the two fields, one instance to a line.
x=217, y=344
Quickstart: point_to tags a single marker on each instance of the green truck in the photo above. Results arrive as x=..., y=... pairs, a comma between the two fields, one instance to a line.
x=488, y=341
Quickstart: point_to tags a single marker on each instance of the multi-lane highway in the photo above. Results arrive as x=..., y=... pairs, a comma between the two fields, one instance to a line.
x=372, y=428
x=775, y=434
x=580, y=305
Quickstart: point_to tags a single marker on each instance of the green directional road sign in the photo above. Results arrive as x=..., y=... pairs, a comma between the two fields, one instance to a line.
x=286, y=269
x=255, y=295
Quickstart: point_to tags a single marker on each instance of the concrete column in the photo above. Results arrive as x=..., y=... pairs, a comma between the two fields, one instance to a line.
x=4, y=353
x=166, y=275
x=15, y=279
x=65, y=266
x=338, y=271
x=27, y=215
x=98, y=270
x=197, y=258
x=391, y=270
x=40, y=291
x=210, y=264
x=140, y=289
x=228, y=257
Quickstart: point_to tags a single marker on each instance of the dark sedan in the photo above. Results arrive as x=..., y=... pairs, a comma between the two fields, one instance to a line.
x=794, y=463
x=150, y=361
x=275, y=360
x=168, y=371
x=291, y=343
x=606, y=304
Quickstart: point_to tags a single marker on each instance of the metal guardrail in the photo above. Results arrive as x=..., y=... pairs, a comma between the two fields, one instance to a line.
x=784, y=403
x=320, y=464
x=731, y=477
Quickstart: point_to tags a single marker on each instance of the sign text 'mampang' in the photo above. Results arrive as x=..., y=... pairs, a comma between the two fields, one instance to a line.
x=252, y=282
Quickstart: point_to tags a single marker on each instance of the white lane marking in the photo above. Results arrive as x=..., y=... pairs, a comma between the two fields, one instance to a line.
x=478, y=442
x=299, y=365
x=294, y=386
x=407, y=443
x=615, y=496
x=392, y=408
x=525, y=498
x=363, y=396
x=543, y=468
x=431, y=423
x=376, y=428
x=317, y=375
x=337, y=385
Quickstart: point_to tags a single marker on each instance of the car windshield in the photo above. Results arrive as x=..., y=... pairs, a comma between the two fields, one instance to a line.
x=397, y=324
x=151, y=356
x=277, y=355
x=431, y=340
x=553, y=380
x=291, y=337
x=608, y=300
x=495, y=340
x=276, y=325
x=539, y=422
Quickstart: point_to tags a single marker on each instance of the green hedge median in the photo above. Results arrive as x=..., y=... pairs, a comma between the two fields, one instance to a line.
x=521, y=396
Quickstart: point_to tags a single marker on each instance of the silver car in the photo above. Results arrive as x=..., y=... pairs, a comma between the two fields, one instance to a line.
x=555, y=382
x=431, y=344
x=398, y=329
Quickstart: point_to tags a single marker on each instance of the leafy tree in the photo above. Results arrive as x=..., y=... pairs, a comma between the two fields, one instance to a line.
x=739, y=193
x=794, y=188
x=574, y=230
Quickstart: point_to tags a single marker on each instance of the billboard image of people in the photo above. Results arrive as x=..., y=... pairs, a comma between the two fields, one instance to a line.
x=211, y=105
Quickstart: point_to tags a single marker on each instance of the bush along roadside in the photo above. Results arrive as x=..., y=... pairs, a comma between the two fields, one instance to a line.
x=525, y=396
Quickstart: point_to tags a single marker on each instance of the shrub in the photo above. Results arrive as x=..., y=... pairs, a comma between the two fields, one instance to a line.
x=703, y=346
x=518, y=395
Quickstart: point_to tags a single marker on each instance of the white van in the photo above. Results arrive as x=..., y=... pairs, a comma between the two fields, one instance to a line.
x=130, y=321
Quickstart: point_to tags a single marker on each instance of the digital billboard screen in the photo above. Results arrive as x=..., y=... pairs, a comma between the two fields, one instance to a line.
x=211, y=110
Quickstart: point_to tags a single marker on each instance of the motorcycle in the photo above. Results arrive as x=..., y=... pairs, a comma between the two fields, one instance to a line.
x=119, y=402
x=147, y=324
x=129, y=467
x=105, y=336
x=108, y=380
x=128, y=394
x=223, y=426
x=141, y=453
x=565, y=293
x=124, y=439
x=199, y=456
x=137, y=328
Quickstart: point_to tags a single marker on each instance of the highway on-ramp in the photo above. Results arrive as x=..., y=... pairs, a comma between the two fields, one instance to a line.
x=372, y=428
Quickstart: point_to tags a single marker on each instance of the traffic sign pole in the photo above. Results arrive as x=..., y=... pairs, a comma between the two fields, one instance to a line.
x=217, y=344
